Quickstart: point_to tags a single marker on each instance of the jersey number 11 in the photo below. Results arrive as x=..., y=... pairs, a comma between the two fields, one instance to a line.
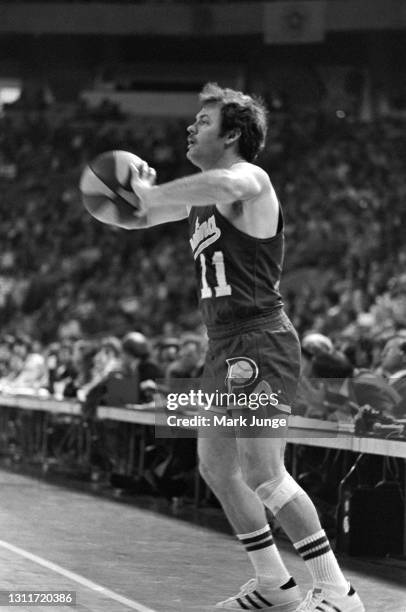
x=222, y=288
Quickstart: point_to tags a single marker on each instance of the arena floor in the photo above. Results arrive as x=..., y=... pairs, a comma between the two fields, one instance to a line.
x=120, y=557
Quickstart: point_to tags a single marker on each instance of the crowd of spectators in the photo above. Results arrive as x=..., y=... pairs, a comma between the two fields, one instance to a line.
x=137, y=372
x=84, y=368
x=62, y=273
x=132, y=371
x=67, y=279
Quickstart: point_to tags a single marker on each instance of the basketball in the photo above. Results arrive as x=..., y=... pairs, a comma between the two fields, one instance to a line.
x=105, y=186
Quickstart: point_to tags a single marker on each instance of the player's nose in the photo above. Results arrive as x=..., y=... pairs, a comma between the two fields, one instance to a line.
x=191, y=129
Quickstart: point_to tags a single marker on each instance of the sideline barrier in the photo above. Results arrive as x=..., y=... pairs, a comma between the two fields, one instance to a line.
x=35, y=417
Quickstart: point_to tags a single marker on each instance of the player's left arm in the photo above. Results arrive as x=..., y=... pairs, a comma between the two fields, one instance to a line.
x=242, y=182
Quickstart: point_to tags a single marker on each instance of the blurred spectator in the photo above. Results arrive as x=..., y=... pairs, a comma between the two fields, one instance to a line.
x=106, y=364
x=314, y=343
x=371, y=389
x=397, y=292
x=137, y=361
x=28, y=372
x=190, y=359
x=107, y=358
x=393, y=362
x=6, y=344
x=332, y=371
x=393, y=366
x=167, y=350
x=310, y=393
x=83, y=355
x=64, y=368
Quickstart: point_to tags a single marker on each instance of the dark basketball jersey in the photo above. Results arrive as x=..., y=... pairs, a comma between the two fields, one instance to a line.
x=238, y=275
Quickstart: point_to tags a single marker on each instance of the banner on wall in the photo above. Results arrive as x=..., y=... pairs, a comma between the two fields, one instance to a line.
x=294, y=22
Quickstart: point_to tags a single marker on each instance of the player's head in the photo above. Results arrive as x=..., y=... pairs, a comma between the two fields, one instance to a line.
x=230, y=121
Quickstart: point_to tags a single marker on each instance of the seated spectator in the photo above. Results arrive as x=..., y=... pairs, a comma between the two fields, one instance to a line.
x=138, y=361
x=393, y=366
x=314, y=343
x=107, y=358
x=106, y=362
x=370, y=388
x=393, y=362
x=190, y=360
x=167, y=351
x=83, y=355
x=6, y=344
x=397, y=291
x=128, y=380
x=359, y=353
x=333, y=370
x=310, y=394
x=30, y=373
x=17, y=353
x=64, y=364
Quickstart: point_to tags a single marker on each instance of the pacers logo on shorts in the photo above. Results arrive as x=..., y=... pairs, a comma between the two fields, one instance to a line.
x=242, y=371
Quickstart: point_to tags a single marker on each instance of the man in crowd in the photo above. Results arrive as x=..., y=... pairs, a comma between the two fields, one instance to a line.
x=393, y=366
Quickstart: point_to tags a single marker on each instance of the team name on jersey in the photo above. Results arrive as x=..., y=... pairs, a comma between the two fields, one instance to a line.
x=205, y=234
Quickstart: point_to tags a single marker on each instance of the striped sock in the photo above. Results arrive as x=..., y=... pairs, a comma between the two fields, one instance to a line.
x=265, y=557
x=316, y=552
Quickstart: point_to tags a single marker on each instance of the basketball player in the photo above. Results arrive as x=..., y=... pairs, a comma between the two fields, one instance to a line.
x=236, y=233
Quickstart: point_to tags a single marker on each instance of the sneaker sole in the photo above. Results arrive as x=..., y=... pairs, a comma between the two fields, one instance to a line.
x=286, y=607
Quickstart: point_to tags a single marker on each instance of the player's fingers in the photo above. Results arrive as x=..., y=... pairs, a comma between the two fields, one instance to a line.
x=135, y=176
x=134, y=171
x=151, y=176
x=143, y=169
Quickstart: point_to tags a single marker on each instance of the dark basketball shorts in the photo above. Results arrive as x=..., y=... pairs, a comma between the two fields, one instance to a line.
x=252, y=370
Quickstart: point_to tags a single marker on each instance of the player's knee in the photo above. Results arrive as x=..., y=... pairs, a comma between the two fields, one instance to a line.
x=210, y=473
x=278, y=492
x=255, y=477
x=255, y=472
x=214, y=474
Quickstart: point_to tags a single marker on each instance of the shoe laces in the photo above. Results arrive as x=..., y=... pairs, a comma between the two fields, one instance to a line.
x=246, y=589
x=312, y=599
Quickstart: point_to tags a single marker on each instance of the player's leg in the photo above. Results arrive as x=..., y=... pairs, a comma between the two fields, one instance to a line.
x=262, y=464
x=276, y=350
x=219, y=466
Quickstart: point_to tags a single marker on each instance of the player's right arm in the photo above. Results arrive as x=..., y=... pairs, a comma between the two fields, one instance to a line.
x=159, y=214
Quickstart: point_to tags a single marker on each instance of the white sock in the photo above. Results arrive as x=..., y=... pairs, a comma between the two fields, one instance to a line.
x=320, y=560
x=264, y=556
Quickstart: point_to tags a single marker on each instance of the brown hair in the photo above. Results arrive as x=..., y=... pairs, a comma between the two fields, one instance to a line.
x=242, y=112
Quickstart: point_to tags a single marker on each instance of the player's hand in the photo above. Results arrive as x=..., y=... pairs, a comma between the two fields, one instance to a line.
x=143, y=178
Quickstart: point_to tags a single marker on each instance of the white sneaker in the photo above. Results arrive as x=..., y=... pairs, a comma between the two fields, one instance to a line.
x=252, y=597
x=327, y=601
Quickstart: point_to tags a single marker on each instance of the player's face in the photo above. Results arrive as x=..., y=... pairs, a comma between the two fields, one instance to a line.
x=205, y=146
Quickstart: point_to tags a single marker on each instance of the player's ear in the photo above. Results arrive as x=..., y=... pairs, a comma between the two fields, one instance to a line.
x=233, y=136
